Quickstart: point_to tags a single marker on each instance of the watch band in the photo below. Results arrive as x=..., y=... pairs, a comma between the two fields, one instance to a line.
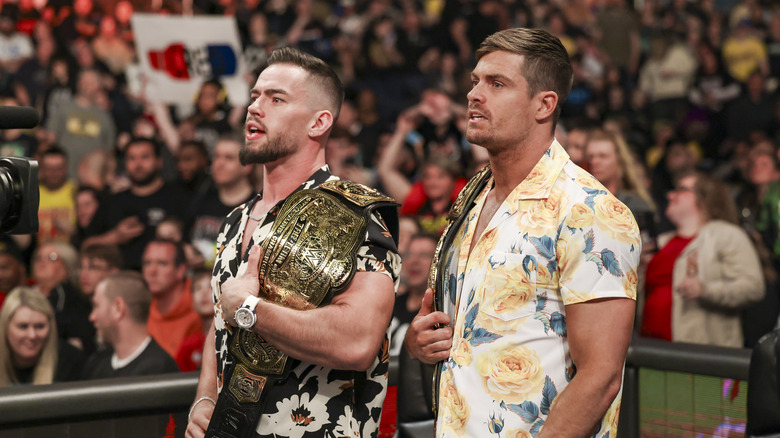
x=251, y=303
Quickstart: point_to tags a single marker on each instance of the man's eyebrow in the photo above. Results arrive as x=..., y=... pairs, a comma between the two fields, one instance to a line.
x=270, y=91
x=493, y=77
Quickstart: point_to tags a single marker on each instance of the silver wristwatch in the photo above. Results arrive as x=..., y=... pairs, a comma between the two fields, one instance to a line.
x=245, y=315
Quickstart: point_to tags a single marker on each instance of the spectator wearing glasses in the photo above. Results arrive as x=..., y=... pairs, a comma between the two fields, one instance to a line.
x=705, y=271
x=55, y=273
x=98, y=262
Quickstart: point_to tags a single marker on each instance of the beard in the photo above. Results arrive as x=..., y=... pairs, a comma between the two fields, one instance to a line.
x=274, y=149
x=142, y=180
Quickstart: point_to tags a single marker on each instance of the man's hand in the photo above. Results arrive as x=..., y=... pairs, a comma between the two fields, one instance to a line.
x=128, y=229
x=199, y=420
x=424, y=341
x=235, y=290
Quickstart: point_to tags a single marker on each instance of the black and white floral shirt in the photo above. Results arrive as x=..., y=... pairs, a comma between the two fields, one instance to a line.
x=314, y=401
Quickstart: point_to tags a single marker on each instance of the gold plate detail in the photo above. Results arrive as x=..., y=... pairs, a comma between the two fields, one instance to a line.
x=245, y=386
x=356, y=193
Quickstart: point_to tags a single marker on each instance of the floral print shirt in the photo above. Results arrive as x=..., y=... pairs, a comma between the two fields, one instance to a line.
x=314, y=401
x=559, y=238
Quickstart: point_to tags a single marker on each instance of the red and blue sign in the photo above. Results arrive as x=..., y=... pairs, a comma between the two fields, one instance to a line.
x=182, y=62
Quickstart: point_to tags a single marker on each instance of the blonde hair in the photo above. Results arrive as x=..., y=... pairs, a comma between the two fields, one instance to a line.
x=629, y=178
x=47, y=363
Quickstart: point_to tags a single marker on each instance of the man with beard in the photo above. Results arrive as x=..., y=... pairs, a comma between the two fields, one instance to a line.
x=129, y=218
x=536, y=277
x=120, y=308
x=303, y=280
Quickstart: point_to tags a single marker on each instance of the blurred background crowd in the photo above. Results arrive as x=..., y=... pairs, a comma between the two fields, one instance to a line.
x=674, y=108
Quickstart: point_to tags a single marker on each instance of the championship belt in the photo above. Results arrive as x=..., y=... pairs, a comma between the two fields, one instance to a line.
x=439, y=271
x=308, y=256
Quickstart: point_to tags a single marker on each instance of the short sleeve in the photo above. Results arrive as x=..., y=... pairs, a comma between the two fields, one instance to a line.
x=598, y=251
x=379, y=252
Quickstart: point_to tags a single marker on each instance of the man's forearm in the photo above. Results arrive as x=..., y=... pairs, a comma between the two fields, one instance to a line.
x=345, y=334
x=580, y=407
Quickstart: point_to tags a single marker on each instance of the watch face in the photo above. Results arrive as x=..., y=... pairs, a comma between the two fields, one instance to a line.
x=245, y=318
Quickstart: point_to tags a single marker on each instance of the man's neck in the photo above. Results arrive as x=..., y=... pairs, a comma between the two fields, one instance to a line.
x=129, y=340
x=166, y=301
x=234, y=194
x=512, y=165
x=284, y=176
x=148, y=189
x=55, y=188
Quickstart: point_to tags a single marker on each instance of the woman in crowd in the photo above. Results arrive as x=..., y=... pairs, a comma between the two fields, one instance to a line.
x=29, y=348
x=610, y=160
x=705, y=272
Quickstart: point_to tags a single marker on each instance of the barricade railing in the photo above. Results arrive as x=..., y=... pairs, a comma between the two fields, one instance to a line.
x=98, y=401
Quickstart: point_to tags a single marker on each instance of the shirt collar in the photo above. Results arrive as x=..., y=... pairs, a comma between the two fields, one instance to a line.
x=539, y=182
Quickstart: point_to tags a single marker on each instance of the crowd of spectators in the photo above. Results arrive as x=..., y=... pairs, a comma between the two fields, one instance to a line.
x=662, y=94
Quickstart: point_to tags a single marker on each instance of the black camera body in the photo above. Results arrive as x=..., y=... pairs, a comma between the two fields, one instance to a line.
x=19, y=195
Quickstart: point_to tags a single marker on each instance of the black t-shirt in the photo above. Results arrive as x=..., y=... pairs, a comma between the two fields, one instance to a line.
x=206, y=217
x=71, y=311
x=153, y=360
x=150, y=210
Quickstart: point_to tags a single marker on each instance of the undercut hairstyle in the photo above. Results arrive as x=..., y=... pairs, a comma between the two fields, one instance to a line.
x=133, y=290
x=546, y=65
x=322, y=75
x=108, y=253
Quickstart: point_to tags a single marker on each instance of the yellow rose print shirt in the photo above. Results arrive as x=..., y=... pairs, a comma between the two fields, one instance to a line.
x=559, y=238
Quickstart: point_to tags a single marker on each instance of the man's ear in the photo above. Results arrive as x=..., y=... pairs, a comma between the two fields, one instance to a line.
x=321, y=123
x=548, y=100
x=118, y=308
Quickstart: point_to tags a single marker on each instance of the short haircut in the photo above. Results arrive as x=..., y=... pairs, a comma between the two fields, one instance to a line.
x=546, y=65
x=147, y=140
x=131, y=287
x=55, y=151
x=198, y=145
x=108, y=253
x=423, y=235
x=234, y=136
x=180, y=258
x=200, y=272
x=323, y=75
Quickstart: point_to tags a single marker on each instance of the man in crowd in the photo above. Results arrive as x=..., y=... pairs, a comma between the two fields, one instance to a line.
x=97, y=263
x=542, y=268
x=120, y=309
x=129, y=218
x=231, y=188
x=280, y=370
x=172, y=317
x=79, y=124
x=56, y=207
